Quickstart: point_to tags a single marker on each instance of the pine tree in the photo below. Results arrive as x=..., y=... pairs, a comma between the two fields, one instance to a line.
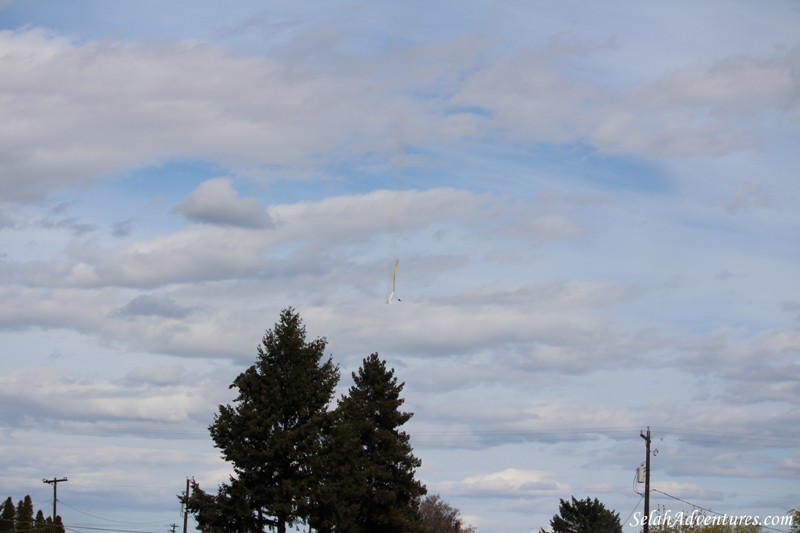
x=584, y=516
x=336, y=503
x=8, y=516
x=39, y=523
x=381, y=482
x=271, y=434
x=795, y=514
x=24, y=520
x=20, y=518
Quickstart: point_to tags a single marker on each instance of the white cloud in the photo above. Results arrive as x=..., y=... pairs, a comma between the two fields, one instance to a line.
x=77, y=112
x=703, y=110
x=511, y=482
x=735, y=86
x=765, y=357
x=694, y=111
x=358, y=217
x=217, y=202
x=145, y=102
x=215, y=253
x=70, y=400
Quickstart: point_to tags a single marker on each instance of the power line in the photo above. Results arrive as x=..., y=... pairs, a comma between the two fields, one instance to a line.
x=634, y=508
x=709, y=510
x=80, y=528
x=100, y=430
x=117, y=521
x=454, y=436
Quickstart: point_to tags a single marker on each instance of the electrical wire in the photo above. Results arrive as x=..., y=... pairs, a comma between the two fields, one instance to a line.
x=483, y=436
x=100, y=430
x=641, y=497
x=710, y=510
x=80, y=528
x=115, y=521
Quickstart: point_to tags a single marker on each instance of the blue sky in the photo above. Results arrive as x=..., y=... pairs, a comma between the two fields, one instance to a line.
x=593, y=205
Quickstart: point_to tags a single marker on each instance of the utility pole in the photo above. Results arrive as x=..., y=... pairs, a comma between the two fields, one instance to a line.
x=173, y=526
x=646, y=527
x=54, y=482
x=186, y=507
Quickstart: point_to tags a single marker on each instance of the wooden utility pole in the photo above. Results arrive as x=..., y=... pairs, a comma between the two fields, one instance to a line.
x=54, y=482
x=646, y=526
x=186, y=507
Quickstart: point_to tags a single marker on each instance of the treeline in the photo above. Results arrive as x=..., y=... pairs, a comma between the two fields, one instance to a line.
x=298, y=458
x=20, y=518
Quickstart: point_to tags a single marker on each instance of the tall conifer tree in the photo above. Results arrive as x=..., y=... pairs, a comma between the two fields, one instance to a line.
x=271, y=434
x=57, y=525
x=20, y=518
x=24, y=521
x=8, y=516
x=39, y=522
x=382, y=467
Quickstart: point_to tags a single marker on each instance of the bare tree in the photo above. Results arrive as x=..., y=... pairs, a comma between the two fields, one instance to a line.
x=438, y=516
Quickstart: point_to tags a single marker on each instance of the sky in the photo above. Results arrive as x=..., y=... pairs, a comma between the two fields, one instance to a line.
x=593, y=205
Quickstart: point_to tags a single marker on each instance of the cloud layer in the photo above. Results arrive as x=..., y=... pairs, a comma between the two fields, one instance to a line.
x=594, y=214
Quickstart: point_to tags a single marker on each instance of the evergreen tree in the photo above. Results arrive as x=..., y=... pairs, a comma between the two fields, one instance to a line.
x=584, y=516
x=24, y=520
x=381, y=493
x=227, y=512
x=8, y=516
x=795, y=514
x=19, y=518
x=39, y=523
x=336, y=503
x=58, y=525
x=271, y=434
